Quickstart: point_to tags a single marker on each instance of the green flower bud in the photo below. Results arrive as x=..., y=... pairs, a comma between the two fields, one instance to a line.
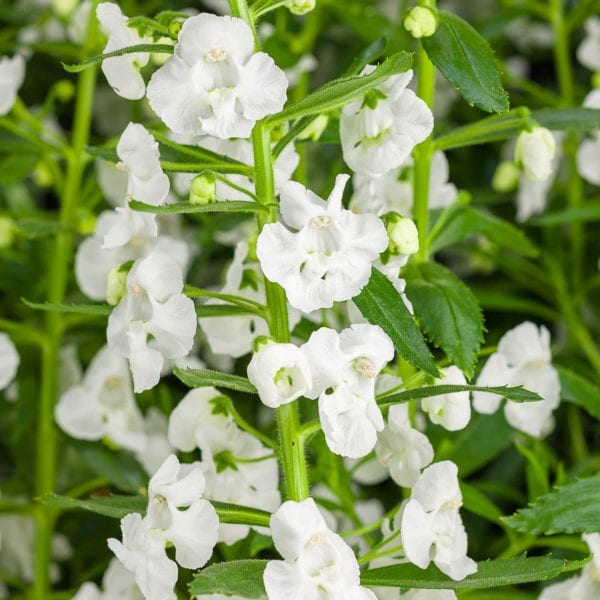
x=64, y=8
x=42, y=175
x=116, y=285
x=315, y=129
x=86, y=222
x=506, y=177
x=421, y=22
x=64, y=90
x=301, y=7
x=403, y=234
x=7, y=231
x=203, y=189
x=596, y=80
x=174, y=29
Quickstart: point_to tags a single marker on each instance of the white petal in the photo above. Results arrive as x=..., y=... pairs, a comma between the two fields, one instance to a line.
x=588, y=159
x=9, y=360
x=416, y=535
x=12, y=74
x=158, y=274
x=437, y=486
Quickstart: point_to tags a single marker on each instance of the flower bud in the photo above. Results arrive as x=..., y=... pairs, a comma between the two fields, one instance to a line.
x=534, y=153
x=86, y=222
x=421, y=22
x=314, y=130
x=64, y=90
x=301, y=7
x=596, y=80
x=203, y=189
x=403, y=234
x=174, y=29
x=116, y=285
x=64, y=8
x=7, y=231
x=42, y=175
x=506, y=177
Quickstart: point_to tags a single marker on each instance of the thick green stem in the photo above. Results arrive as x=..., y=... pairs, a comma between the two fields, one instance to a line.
x=422, y=155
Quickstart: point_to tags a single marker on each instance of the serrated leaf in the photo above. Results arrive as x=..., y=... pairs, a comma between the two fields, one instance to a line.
x=237, y=577
x=381, y=304
x=340, y=91
x=466, y=221
x=447, y=311
x=79, y=309
x=578, y=390
x=115, y=506
x=492, y=573
x=235, y=206
x=568, y=119
x=196, y=378
x=571, y=508
x=465, y=58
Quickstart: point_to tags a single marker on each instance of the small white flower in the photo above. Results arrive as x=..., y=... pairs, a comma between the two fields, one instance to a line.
x=215, y=83
x=588, y=154
x=378, y=132
x=154, y=320
x=431, y=527
x=117, y=582
x=12, y=74
x=122, y=72
x=329, y=256
x=451, y=411
x=588, y=52
x=9, y=361
x=280, y=372
x=317, y=563
x=156, y=447
x=535, y=153
x=523, y=358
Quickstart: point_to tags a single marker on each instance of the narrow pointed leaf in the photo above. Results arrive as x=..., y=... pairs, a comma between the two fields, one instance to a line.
x=79, y=309
x=578, y=390
x=237, y=206
x=162, y=48
x=568, y=119
x=196, y=378
x=115, y=506
x=237, y=577
x=381, y=304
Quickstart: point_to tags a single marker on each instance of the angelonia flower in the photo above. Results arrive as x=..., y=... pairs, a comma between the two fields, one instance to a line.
x=122, y=72
x=534, y=153
x=12, y=74
x=215, y=83
x=154, y=320
x=379, y=131
x=193, y=531
x=431, y=527
x=451, y=411
x=344, y=367
x=117, y=582
x=324, y=252
x=317, y=563
x=9, y=361
x=588, y=52
x=588, y=154
x=523, y=358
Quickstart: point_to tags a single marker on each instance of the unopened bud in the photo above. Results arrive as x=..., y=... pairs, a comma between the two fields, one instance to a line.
x=506, y=177
x=203, y=189
x=314, y=130
x=7, y=231
x=421, y=22
x=64, y=90
x=534, y=152
x=42, y=175
x=86, y=222
x=596, y=80
x=116, y=285
x=300, y=7
x=174, y=29
x=64, y=8
x=403, y=234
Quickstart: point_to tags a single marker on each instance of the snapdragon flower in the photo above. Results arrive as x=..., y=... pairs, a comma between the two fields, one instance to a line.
x=215, y=83
x=122, y=72
x=12, y=74
x=431, y=527
x=344, y=367
x=154, y=320
x=317, y=563
x=329, y=256
x=451, y=411
x=379, y=131
x=9, y=360
x=523, y=358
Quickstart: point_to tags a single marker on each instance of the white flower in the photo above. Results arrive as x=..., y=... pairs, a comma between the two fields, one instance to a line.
x=523, y=358
x=103, y=404
x=379, y=131
x=156, y=447
x=317, y=563
x=214, y=83
x=122, y=72
x=431, y=527
x=280, y=372
x=344, y=367
x=9, y=361
x=535, y=152
x=451, y=411
x=329, y=257
x=403, y=450
x=117, y=582
x=12, y=74
x=588, y=52
x=154, y=320
x=142, y=552
x=588, y=154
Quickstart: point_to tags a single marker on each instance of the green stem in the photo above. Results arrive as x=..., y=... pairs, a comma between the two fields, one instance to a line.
x=422, y=154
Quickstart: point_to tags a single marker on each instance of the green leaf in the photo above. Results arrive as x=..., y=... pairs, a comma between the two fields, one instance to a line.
x=109, y=506
x=196, y=378
x=158, y=48
x=571, y=508
x=447, y=311
x=516, y=394
x=340, y=91
x=233, y=578
x=571, y=119
x=237, y=206
x=589, y=212
x=35, y=228
x=242, y=515
x=99, y=310
x=16, y=167
x=381, y=304
x=503, y=301
x=479, y=504
x=578, y=390
x=466, y=59
x=466, y=221
x=492, y=573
